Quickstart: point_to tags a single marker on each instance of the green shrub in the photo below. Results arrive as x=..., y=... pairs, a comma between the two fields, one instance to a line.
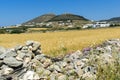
x=16, y=31
x=2, y=31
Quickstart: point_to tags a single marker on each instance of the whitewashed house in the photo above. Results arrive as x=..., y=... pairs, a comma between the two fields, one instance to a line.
x=97, y=25
x=102, y=24
x=88, y=25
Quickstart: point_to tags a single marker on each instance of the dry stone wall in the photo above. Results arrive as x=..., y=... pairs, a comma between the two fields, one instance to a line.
x=29, y=63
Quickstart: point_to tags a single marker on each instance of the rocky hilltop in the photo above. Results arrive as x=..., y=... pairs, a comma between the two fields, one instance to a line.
x=27, y=62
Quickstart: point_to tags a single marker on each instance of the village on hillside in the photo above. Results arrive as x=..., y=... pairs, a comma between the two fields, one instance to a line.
x=65, y=21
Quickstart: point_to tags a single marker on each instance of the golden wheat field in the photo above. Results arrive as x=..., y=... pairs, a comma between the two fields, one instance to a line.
x=59, y=43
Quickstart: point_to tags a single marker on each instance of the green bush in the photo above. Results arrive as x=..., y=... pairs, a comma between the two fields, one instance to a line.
x=16, y=31
x=2, y=31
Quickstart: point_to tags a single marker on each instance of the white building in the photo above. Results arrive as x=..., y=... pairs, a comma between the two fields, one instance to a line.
x=102, y=24
x=97, y=25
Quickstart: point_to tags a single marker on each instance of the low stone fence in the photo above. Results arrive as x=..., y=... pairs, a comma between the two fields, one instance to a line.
x=28, y=63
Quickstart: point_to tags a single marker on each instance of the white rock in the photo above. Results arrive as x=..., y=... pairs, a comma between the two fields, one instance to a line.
x=62, y=77
x=31, y=75
x=7, y=71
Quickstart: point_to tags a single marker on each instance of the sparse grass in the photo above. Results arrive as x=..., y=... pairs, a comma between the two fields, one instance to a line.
x=59, y=43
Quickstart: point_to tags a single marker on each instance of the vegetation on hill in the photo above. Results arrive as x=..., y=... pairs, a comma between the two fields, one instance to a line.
x=64, y=17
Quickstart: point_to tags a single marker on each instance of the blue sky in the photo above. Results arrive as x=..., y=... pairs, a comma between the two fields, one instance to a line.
x=18, y=11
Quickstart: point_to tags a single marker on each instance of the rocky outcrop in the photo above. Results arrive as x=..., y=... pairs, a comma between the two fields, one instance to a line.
x=28, y=63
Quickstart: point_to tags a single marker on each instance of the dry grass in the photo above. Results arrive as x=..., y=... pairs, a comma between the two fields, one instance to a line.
x=37, y=28
x=58, y=43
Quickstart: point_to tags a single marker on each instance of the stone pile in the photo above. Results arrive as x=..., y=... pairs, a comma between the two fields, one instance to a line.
x=28, y=63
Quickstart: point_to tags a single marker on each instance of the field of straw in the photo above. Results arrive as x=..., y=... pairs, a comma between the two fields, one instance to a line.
x=59, y=43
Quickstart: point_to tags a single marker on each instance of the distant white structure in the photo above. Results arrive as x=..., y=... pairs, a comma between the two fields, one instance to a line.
x=97, y=25
x=102, y=24
x=88, y=25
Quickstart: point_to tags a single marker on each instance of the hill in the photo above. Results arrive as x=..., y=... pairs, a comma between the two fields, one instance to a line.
x=40, y=19
x=64, y=17
x=114, y=19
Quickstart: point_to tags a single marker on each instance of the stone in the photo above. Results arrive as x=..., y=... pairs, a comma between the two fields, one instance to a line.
x=2, y=78
x=20, y=55
x=43, y=59
x=70, y=72
x=63, y=64
x=2, y=50
x=2, y=56
x=88, y=76
x=37, y=52
x=47, y=63
x=11, y=61
x=39, y=57
x=31, y=75
x=76, y=55
x=90, y=69
x=107, y=58
x=85, y=60
x=71, y=77
x=29, y=43
x=79, y=71
x=27, y=60
x=1, y=63
x=40, y=70
x=36, y=45
x=46, y=73
x=53, y=76
x=19, y=47
x=25, y=49
x=57, y=68
x=35, y=63
x=62, y=77
x=11, y=53
x=29, y=54
x=7, y=71
x=78, y=62
x=69, y=67
x=51, y=68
